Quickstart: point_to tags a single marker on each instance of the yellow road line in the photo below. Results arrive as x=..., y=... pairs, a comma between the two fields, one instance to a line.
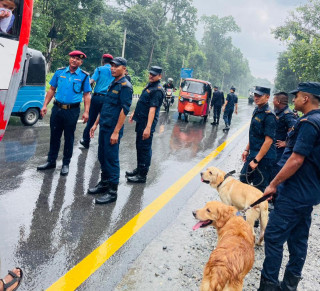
x=84, y=269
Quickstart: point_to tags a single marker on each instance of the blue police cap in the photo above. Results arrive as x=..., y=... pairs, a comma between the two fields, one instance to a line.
x=261, y=90
x=308, y=87
x=155, y=70
x=119, y=61
x=215, y=87
x=233, y=88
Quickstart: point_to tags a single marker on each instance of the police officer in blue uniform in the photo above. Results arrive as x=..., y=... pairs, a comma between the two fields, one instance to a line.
x=230, y=106
x=286, y=119
x=102, y=78
x=216, y=102
x=298, y=188
x=146, y=116
x=113, y=113
x=69, y=85
x=261, y=150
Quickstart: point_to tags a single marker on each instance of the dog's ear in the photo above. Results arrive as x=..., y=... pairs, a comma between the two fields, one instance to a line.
x=223, y=215
x=219, y=178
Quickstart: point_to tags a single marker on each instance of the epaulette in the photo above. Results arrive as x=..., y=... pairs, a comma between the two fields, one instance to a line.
x=268, y=111
x=124, y=83
x=62, y=68
x=304, y=119
x=85, y=72
x=286, y=111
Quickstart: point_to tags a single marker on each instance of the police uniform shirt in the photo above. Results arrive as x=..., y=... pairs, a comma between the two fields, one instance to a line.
x=103, y=78
x=232, y=99
x=263, y=123
x=217, y=98
x=285, y=121
x=119, y=96
x=304, y=186
x=70, y=86
x=151, y=96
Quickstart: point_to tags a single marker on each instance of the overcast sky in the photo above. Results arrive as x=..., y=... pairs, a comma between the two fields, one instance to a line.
x=256, y=18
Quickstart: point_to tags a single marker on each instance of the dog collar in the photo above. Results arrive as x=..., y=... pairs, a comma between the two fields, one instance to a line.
x=226, y=176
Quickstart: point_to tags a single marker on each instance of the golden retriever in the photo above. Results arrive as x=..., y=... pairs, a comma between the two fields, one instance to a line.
x=233, y=257
x=238, y=194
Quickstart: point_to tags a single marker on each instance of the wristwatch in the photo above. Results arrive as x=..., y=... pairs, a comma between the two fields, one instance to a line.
x=255, y=161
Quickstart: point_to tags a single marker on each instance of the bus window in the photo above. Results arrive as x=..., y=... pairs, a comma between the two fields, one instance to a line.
x=10, y=18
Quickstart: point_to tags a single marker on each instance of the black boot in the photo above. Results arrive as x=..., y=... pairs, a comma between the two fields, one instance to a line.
x=213, y=123
x=132, y=173
x=139, y=178
x=290, y=282
x=101, y=187
x=266, y=285
x=111, y=195
x=64, y=170
x=85, y=144
x=46, y=166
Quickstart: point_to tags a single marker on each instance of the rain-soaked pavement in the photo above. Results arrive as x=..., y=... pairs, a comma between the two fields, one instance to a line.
x=49, y=224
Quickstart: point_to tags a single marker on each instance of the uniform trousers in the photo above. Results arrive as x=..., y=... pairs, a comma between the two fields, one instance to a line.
x=95, y=108
x=289, y=222
x=62, y=120
x=227, y=116
x=108, y=155
x=144, y=150
x=216, y=113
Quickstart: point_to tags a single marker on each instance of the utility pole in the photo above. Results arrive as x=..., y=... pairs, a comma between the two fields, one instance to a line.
x=124, y=42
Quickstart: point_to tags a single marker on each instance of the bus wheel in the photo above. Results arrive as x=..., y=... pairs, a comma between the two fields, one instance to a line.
x=30, y=117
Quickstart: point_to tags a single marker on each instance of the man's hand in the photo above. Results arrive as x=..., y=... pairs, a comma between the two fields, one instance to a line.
x=146, y=133
x=224, y=108
x=4, y=14
x=253, y=165
x=114, y=138
x=131, y=118
x=85, y=117
x=270, y=190
x=43, y=111
x=92, y=130
x=281, y=144
x=244, y=156
x=236, y=112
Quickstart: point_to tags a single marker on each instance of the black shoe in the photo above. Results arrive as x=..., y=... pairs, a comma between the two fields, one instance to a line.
x=137, y=179
x=226, y=128
x=46, y=166
x=290, y=282
x=101, y=187
x=64, y=170
x=84, y=144
x=110, y=197
x=266, y=285
x=213, y=123
x=132, y=173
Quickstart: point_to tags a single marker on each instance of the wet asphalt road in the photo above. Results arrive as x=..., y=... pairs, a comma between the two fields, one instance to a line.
x=48, y=222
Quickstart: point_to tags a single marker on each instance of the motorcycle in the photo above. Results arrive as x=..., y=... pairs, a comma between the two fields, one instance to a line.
x=167, y=99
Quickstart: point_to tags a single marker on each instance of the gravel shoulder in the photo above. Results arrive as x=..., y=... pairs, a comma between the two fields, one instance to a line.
x=175, y=259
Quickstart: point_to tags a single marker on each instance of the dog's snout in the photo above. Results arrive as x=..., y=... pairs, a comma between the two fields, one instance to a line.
x=194, y=213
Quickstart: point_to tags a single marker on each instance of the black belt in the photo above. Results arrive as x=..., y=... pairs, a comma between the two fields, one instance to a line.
x=66, y=106
x=99, y=94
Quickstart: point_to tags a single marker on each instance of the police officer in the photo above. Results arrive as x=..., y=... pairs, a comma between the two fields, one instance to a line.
x=261, y=150
x=69, y=85
x=298, y=188
x=102, y=78
x=286, y=119
x=113, y=113
x=216, y=102
x=228, y=108
x=146, y=116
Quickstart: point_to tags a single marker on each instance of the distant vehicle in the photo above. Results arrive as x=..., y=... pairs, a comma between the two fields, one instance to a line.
x=194, y=99
x=167, y=99
x=32, y=90
x=250, y=98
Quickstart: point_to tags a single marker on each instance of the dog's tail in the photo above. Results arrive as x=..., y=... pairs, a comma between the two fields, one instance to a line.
x=215, y=279
x=263, y=220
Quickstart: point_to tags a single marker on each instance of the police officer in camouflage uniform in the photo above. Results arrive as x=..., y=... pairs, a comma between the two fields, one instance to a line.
x=69, y=85
x=111, y=119
x=146, y=117
x=261, y=150
x=298, y=188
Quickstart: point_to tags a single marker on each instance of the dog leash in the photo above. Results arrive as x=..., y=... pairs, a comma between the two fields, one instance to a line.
x=226, y=176
x=247, y=174
x=243, y=211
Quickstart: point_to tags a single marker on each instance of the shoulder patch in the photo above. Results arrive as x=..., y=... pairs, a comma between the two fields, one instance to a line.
x=62, y=68
x=124, y=83
x=268, y=111
x=286, y=112
x=148, y=90
x=85, y=72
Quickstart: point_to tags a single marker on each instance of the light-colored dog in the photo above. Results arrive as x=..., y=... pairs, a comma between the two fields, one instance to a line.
x=233, y=257
x=238, y=194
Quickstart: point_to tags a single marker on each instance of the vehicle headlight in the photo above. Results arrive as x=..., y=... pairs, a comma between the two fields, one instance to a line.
x=181, y=99
x=200, y=102
x=190, y=100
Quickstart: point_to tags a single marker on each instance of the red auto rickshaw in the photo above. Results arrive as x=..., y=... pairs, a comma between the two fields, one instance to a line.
x=194, y=98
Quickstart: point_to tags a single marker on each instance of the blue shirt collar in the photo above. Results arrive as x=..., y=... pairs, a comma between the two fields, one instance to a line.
x=76, y=72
